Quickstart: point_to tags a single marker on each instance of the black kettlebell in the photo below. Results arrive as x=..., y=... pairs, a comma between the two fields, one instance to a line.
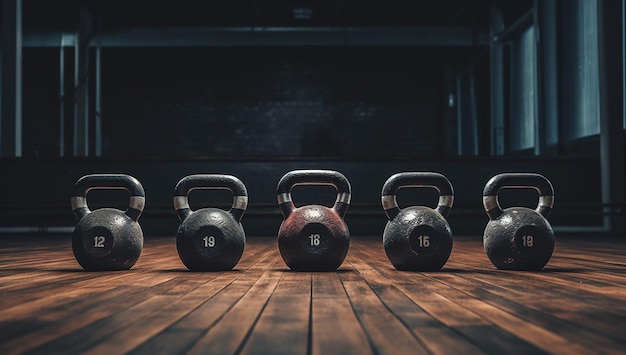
x=417, y=238
x=313, y=237
x=107, y=238
x=210, y=239
x=518, y=238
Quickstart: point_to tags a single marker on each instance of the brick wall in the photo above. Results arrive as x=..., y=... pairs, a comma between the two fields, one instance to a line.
x=271, y=102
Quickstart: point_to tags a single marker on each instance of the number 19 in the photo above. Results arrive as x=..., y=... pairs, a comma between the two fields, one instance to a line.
x=209, y=241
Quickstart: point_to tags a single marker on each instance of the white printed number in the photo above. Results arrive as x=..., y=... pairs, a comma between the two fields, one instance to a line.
x=528, y=241
x=424, y=241
x=315, y=239
x=209, y=241
x=98, y=241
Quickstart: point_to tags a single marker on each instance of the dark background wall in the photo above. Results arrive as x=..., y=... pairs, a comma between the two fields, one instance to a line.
x=273, y=102
x=255, y=102
x=260, y=111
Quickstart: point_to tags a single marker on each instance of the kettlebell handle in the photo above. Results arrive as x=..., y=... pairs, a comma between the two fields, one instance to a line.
x=104, y=182
x=518, y=181
x=417, y=179
x=313, y=177
x=210, y=182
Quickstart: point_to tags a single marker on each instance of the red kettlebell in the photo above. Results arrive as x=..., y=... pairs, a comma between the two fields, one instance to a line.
x=313, y=237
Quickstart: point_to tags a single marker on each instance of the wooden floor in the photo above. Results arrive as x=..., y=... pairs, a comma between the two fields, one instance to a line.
x=48, y=304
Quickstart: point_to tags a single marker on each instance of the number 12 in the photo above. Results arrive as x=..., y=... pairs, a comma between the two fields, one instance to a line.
x=98, y=241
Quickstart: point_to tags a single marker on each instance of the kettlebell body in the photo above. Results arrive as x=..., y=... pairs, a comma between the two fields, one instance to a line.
x=210, y=239
x=518, y=238
x=313, y=237
x=107, y=238
x=417, y=238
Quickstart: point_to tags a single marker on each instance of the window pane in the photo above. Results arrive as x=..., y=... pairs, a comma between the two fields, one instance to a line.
x=581, y=75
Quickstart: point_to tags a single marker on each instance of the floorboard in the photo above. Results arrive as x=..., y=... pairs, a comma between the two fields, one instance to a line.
x=48, y=304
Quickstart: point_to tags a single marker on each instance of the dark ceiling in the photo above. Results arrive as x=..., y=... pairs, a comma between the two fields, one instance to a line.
x=117, y=14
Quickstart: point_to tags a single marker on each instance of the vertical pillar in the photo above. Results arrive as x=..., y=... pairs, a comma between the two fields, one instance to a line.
x=611, y=142
x=81, y=84
x=496, y=58
x=62, y=97
x=460, y=103
x=547, y=65
x=98, y=84
x=11, y=104
x=539, y=89
x=473, y=101
x=98, y=98
x=467, y=115
x=623, y=202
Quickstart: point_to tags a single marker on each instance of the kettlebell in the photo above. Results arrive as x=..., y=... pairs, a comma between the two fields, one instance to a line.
x=210, y=239
x=313, y=237
x=417, y=238
x=518, y=238
x=107, y=238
